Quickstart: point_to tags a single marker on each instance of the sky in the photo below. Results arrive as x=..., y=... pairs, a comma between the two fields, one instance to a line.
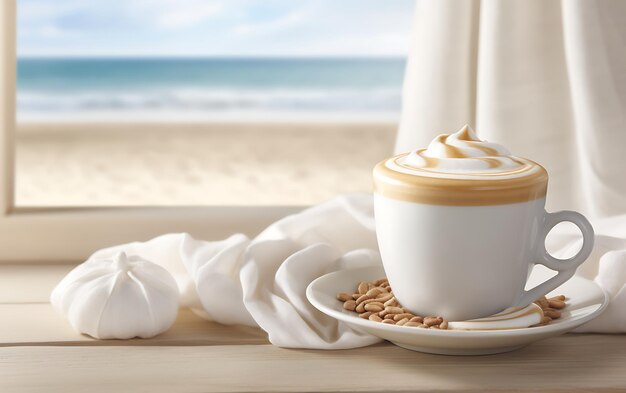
x=84, y=28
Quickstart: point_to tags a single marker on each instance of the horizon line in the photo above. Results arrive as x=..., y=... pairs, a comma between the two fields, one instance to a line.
x=201, y=57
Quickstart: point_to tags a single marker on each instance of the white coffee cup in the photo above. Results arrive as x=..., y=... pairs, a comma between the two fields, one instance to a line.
x=462, y=244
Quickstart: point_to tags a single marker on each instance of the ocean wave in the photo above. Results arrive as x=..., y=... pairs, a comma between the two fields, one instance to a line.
x=211, y=101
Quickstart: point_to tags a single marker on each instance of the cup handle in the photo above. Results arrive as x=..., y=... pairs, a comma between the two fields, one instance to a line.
x=565, y=267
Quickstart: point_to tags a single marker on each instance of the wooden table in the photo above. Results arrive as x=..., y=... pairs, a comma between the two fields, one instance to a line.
x=39, y=352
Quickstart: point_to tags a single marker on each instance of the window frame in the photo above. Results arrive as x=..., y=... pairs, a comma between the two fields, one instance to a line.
x=54, y=235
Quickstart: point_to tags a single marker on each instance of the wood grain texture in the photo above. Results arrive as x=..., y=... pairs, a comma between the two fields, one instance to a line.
x=30, y=283
x=39, y=324
x=39, y=352
x=573, y=363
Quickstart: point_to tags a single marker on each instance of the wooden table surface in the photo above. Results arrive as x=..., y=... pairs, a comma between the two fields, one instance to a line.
x=40, y=352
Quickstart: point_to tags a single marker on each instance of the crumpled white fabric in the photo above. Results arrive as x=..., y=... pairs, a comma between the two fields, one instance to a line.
x=262, y=281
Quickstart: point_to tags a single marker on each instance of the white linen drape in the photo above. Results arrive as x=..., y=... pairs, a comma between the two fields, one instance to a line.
x=546, y=78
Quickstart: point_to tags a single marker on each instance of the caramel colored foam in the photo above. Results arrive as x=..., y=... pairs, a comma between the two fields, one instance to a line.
x=460, y=169
x=530, y=184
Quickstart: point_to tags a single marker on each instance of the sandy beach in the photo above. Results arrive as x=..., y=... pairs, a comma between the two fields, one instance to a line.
x=139, y=163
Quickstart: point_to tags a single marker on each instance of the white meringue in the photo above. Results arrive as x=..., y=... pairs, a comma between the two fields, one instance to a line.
x=118, y=297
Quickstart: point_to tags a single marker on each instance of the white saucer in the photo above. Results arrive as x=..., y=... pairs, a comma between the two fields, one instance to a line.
x=585, y=301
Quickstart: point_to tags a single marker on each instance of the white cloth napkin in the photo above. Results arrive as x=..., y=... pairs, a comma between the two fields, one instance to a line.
x=262, y=281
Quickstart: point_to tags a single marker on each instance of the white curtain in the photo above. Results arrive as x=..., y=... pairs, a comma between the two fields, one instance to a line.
x=546, y=78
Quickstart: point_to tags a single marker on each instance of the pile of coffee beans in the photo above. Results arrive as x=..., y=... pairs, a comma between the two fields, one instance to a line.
x=375, y=301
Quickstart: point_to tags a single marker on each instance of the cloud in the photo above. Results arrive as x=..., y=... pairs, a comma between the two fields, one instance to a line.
x=52, y=31
x=175, y=14
x=41, y=10
x=272, y=26
x=213, y=27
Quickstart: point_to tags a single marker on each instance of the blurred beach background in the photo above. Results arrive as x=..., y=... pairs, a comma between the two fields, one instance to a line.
x=254, y=103
x=210, y=89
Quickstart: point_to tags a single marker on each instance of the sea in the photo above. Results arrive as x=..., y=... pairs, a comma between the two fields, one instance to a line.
x=237, y=89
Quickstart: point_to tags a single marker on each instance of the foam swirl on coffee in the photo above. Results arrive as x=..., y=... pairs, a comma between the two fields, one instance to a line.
x=463, y=152
x=462, y=169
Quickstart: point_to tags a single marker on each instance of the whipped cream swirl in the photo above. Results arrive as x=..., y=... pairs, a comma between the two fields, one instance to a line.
x=463, y=153
x=460, y=169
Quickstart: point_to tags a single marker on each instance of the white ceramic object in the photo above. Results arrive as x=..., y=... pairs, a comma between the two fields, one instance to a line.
x=585, y=301
x=467, y=262
x=119, y=297
x=461, y=223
